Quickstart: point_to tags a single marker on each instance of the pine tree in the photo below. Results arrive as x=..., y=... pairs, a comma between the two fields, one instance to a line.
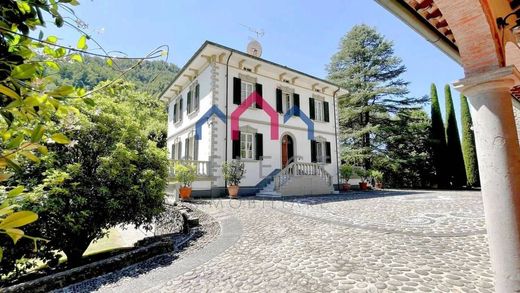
x=438, y=141
x=469, y=149
x=366, y=66
x=457, y=171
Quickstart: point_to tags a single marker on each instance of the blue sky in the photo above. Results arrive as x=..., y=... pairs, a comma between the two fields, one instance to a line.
x=299, y=34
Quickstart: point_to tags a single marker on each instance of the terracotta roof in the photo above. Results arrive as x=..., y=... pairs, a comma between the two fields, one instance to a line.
x=431, y=13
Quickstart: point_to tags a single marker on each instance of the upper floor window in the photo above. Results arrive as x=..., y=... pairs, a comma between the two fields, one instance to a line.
x=246, y=89
x=193, y=98
x=177, y=110
x=286, y=100
x=318, y=110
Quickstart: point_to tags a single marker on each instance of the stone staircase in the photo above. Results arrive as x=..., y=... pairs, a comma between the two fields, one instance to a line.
x=298, y=179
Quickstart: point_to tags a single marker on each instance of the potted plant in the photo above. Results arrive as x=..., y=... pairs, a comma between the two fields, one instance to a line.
x=363, y=174
x=346, y=172
x=378, y=178
x=233, y=172
x=185, y=175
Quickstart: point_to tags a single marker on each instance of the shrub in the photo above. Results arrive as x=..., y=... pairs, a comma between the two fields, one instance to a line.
x=377, y=175
x=185, y=174
x=346, y=171
x=233, y=171
x=363, y=173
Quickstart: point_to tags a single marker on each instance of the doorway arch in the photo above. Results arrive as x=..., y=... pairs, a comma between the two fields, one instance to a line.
x=288, y=150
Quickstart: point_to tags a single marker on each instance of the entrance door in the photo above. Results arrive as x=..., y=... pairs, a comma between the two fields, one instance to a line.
x=287, y=150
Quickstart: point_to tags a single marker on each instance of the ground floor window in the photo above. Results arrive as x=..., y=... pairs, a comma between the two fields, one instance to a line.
x=320, y=152
x=246, y=146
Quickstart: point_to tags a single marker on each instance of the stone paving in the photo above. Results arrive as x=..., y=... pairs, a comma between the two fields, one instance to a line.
x=389, y=241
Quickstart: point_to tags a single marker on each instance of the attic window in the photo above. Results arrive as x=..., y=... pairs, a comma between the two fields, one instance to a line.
x=287, y=81
x=317, y=90
x=248, y=69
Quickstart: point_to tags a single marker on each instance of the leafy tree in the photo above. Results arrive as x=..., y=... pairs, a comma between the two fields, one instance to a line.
x=457, y=170
x=150, y=76
x=29, y=104
x=438, y=141
x=469, y=149
x=110, y=174
x=407, y=164
x=366, y=66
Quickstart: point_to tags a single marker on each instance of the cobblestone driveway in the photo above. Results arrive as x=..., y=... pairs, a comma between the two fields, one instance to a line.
x=395, y=241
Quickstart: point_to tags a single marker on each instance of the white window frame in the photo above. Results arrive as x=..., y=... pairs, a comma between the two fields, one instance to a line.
x=319, y=113
x=245, y=153
x=244, y=93
x=290, y=96
x=177, y=108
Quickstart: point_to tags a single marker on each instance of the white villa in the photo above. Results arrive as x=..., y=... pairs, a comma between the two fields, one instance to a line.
x=282, y=123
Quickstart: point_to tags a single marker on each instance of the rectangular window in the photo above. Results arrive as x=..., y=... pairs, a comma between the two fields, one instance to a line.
x=246, y=89
x=318, y=106
x=247, y=150
x=287, y=102
x=320, y=150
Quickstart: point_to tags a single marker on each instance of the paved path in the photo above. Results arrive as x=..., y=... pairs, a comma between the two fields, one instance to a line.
x=395, y=241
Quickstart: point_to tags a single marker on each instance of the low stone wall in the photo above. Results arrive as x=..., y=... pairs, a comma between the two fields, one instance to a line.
x=150, y=247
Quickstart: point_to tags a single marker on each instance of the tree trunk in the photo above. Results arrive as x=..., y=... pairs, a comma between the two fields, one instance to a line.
x=75, y=254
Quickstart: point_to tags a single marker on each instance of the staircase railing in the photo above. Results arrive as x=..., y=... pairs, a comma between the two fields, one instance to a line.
x=301, y=169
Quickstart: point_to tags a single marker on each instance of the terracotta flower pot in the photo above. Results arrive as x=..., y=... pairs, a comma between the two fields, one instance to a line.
x=363, y=185
x=185, y=193
x=346, y=187
x=233, y=191
x=379, y=185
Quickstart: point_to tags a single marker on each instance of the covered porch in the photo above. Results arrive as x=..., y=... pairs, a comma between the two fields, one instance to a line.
x=483, y=37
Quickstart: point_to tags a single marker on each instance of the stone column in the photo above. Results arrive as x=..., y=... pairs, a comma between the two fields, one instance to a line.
x=498, y=155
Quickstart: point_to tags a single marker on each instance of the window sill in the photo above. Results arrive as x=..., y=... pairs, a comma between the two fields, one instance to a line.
x=193, y=113
x=249, y=160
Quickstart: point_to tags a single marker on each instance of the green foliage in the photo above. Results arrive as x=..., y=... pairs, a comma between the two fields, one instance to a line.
x=366, y=66
x=150, y=76
x=457, y=171
x=233, y=171
x=363, y=173
x=377, y=175
x=110, y=174
x=407, y=161
x=438, y=141
x=469, y=149
x=185, y=174
x=346, y=171
x=29, y=104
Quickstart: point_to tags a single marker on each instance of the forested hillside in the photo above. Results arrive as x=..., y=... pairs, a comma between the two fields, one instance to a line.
x=150, y=76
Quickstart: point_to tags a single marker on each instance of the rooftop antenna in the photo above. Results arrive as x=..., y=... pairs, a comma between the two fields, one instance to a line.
x=254, y=48
x=259, y=32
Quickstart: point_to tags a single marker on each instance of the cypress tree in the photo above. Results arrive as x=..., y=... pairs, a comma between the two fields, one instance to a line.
x=438, y=141
x=469, y=149
x=457, y=171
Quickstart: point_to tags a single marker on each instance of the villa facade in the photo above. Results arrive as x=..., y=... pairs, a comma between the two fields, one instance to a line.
x=226, y=104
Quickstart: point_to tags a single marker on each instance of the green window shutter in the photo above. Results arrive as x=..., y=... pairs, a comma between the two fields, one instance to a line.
x=187, y=149
x=197, y=96
x=296, y=102
x=195, y=149
x=279, y=104
x=259, y=146
x=326, y=111
x=314, y=158
x=188, y=102
x=236, y=147
x=180, y=109
x=237, y=100
x=328, y=157
x=312, y=114
x=174, y=112
x=259, y=91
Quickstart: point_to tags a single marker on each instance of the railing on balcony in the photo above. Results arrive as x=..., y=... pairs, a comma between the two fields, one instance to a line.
x=301, y=169
x=203, y=167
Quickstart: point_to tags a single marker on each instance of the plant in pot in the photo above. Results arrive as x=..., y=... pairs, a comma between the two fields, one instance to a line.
x=364, y=175
x=185, y=175
x=378, y=177
x=233, y=172
x=346, y=172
